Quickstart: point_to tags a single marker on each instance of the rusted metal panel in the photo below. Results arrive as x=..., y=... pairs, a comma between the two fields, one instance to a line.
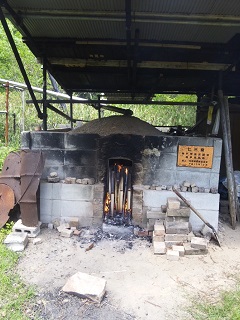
x=10, y=174
x=32, y=164
x=6, y=203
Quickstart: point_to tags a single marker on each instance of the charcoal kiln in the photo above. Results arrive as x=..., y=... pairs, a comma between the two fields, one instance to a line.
x=120, y=170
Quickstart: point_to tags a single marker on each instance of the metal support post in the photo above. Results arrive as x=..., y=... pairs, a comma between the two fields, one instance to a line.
x=228, y=160
x=44, y=95
x=7, y=113
x=71, y=109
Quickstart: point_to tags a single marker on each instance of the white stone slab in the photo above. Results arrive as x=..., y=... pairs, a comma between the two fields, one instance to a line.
x=86, y=286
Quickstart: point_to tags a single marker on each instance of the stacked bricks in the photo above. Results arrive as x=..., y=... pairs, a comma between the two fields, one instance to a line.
x=172, y=236
x=155, y=215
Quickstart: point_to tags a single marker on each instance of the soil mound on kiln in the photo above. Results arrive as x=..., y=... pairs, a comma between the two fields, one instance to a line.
x=118, y=125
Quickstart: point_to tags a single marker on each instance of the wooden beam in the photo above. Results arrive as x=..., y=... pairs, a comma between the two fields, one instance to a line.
x=228, y=160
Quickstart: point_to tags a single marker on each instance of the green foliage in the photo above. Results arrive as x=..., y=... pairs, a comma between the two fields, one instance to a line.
x=228, y=308
x=5, y=231
x=14, y=295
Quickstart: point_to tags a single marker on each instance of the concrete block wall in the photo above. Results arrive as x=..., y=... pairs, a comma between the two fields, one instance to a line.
x=161, y=168
x=68, y=155
x=206, y=203
x=63, y=201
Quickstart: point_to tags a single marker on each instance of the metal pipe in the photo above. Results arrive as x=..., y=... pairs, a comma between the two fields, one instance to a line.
x=71, y=110
x=23, y=110
x=7, y=113
x=60, y=113
x=150, y=17
x=20, y=63
x=132, y=102
x=44, y=95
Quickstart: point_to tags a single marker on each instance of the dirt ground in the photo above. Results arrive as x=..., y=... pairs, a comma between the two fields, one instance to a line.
x=140, y=285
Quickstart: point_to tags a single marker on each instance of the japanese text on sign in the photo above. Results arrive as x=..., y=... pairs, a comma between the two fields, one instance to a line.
x=195, y=156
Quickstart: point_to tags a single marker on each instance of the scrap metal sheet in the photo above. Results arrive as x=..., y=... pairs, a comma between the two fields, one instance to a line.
x=6, y=203
x=10, y=174
x=32, y=164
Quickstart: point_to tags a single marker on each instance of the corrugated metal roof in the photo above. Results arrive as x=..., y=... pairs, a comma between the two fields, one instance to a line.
x=91, y=39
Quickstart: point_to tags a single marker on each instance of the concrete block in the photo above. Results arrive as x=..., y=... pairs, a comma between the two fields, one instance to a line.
x=158, y=238
x=173, y=203
x=164, y=177
x=202, y=201
x=170, y=244
x=209, y=215
x=199, y=243
x=77, y=192
x=193, y=251
x=16, y=241
x=159, y=247
x=67, y=233
x=172, y=255
x=45, y=207
x=181, y=212
x=46, y=190
x=154, y=198
x=176, y=237
x=156, y=215
x=179, y=227
x=77, y=209
x=32, y=232
x=56, y=208
x=56, y=191
x=86, y=286
x=180, y=249
x=81, y=141
x=159, y=229
x=45, y=218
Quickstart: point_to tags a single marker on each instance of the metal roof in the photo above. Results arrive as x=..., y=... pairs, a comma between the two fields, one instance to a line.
x=135, y=47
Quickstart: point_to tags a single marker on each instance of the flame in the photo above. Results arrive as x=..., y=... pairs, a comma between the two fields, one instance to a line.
x=119, y=167
x=126, y=171
x=107, y=203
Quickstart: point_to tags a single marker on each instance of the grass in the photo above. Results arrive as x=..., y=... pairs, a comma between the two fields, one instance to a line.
x=227, y=308
x=15, y=296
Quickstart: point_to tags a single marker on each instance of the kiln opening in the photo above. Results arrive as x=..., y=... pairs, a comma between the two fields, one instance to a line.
x=118, y=192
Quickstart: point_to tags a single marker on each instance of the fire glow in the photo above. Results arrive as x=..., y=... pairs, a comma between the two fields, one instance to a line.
x=117, y=204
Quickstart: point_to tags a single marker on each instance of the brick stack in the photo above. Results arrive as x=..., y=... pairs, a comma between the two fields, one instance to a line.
x=173, y=235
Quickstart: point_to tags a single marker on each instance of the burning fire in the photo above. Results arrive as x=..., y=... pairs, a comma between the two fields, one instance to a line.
x=119, y=193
